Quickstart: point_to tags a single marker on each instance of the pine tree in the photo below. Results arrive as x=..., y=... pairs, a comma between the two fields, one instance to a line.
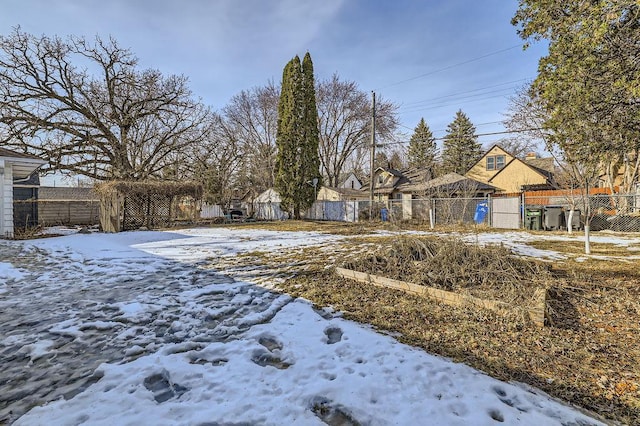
x=460, y=148
x=422, y=148
x=297, y=139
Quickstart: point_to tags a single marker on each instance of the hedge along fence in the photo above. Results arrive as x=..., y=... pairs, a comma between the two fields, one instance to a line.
x=126, y=206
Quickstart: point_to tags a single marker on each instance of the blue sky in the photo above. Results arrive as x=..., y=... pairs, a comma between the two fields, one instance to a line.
x=407, y=51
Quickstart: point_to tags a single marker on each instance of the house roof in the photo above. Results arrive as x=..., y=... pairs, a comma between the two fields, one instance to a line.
x=543, y=164
x=22, y=164
x=448, y=182
x=394, y=172
x=544, y=173
x=348, y=191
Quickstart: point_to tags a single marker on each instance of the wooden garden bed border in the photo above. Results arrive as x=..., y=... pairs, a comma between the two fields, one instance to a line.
x=536, y=311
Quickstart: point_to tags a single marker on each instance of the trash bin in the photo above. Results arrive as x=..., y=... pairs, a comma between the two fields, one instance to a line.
x=533, y=218
x=384, y=214
x=575, y=221
x=481, y=212
x=553, y=218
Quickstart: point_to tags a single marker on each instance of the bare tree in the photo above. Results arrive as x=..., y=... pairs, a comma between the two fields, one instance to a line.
x=86, y=108
x=530, y=116
x=252, y=118
x=525, y=117
x=344, y=115
x=215, y=162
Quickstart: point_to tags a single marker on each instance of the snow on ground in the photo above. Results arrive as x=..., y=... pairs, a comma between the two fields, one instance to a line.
x=129, y=328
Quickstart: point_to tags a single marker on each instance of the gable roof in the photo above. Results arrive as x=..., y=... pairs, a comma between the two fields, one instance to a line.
x=543, y=164
x=545, y=174
x=448, y=182
x=391, y=171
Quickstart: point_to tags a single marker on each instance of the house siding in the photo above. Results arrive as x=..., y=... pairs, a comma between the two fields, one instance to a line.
x=479, y=171
x=517, y=174
x=328, y=194
x=6, y=200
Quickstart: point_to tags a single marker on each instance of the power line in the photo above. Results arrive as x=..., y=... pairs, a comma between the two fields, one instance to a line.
x=466, y=92
x=449, y=67
x=499, y=94
x=506, y=132
x=444, y=130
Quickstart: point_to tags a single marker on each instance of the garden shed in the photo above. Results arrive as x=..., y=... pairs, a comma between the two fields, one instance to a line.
x=126, y=206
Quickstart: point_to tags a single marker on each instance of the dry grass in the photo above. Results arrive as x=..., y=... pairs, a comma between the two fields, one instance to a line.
x=577, y=248
x=346, y=228
x=589, y=355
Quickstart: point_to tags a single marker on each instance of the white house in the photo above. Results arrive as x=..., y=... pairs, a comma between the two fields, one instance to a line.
x=13, y=165
x=352, y=182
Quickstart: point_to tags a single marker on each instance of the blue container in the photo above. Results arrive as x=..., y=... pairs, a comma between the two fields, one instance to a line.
x=384, y=214
x=481, y=212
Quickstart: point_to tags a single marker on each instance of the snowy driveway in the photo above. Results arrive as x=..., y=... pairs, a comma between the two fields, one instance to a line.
x=130, y=328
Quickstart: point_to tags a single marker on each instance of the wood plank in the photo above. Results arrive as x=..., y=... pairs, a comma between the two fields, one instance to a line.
x=536, y=312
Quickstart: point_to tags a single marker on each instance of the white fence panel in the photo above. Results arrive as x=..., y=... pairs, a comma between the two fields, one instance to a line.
x=505, y=212
x=210, y=211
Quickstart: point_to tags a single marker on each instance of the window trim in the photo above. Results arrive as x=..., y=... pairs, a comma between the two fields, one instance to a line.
x=496, y=162
x=493, y=163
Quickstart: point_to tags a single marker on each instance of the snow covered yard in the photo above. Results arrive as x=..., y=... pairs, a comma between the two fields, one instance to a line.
x=137, y=328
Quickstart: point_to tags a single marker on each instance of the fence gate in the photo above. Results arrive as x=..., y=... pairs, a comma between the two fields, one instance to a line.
x=505, y=212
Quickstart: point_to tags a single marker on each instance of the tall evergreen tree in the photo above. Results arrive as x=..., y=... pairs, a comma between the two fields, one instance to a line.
x=297, y=162
x=422, y=148
x=460, y=148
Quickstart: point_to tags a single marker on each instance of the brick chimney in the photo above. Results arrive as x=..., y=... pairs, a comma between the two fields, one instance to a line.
x=531, y=156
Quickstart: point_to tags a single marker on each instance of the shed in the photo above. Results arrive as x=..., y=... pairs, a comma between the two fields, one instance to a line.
x=266, y=206
x=13, y=166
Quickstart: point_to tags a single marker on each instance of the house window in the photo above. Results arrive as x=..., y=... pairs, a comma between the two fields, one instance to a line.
x=491, y=163
x=352, y=184
x=380, y=179
x=495, y=162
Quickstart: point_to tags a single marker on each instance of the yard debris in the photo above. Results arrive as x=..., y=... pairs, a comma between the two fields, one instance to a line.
x=487, y=272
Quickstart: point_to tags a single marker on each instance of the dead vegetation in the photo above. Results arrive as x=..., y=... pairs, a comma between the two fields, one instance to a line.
x=589, y=355
x=490, y=272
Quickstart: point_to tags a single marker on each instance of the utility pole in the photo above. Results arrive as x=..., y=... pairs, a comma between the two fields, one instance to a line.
x=373, y=152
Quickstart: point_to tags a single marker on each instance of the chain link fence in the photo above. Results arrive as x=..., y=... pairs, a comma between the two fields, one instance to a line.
x=617, y=212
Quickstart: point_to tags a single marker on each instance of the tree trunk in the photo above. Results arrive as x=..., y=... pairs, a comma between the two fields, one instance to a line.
x=587, y=242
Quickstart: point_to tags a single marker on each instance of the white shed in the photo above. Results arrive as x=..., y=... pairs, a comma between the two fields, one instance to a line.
x=267, y=206
x=13, y=165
